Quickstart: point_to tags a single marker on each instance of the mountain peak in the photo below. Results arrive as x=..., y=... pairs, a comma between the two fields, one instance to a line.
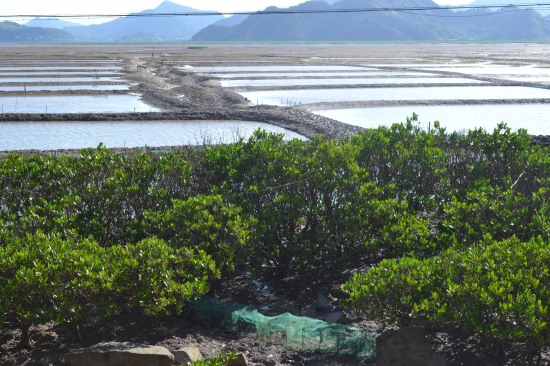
x=172, y=7
x=55, y=23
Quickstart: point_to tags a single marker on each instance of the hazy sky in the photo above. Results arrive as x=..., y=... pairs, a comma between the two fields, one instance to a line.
x=84, y=7
x=32, y=8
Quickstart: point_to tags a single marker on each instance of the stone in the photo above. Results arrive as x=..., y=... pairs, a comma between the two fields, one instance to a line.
x=335, y=317
x=119, y=354
x=241, y=360
x=322, y=301
x=187, y=354
x=419, y=354
x=391, y=352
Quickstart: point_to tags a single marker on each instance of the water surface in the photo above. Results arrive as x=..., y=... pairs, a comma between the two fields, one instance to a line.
x=56, y=73
x=75, y=104
x=224, y=69
x=59, y=80
x=497, y=70
x=95, y=87
x=309, y=96
x=60, y=68
x=268, y=75
x=533, y=117
x=76, y=135
x=356, y=81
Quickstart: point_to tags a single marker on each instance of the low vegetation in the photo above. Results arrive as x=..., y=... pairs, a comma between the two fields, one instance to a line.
x=455, y=227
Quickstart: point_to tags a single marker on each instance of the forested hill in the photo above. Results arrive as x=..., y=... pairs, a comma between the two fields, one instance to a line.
x=514, y=24
x=11, y=32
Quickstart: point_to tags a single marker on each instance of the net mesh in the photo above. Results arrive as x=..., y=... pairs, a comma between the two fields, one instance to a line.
x=292, y=331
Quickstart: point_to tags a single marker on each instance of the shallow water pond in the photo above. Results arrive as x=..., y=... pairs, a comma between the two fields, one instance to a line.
x=58, y=80
x=76, y=135
x=309, y=96
x=495, y=70
x=356, y=81
x=268, y=75
x=56, y=73
x=62, y=87
x=533, y=117
x=60, y=68
x=75, y=104
x=224, y=69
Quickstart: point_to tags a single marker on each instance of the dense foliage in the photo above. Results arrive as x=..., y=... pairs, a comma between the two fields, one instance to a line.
x=176, y=221
x=498, y=288
x=49, y=278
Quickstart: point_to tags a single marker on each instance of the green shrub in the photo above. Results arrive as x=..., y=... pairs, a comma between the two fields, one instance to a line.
x=497, y=288
x=220, y=360
x=205, y=223
x=157, y=278
x=47, y=278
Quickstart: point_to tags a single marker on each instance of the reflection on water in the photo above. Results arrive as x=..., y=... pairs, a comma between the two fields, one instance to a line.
x=90, y=87
x=75, y=104
x=56, y=73
x=357, y=81
x=75, y=135
x=60, y=68
x=60, y=80
x=533, y=117
x=309, y=96
x=223, y=69
x=268, y=75
x=497, y=70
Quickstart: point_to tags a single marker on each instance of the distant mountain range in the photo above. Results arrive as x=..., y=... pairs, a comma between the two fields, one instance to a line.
x=514, y=24
x=50, y=23
x=131, y=28
x=147, y=29
x=544, y=10
x=11, y=32
x=474, y=24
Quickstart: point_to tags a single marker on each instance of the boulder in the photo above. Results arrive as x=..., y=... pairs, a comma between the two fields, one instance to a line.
x=335, y=317
x=187, y=354
x=119, y=354
x=322, y=302
x=241, y=360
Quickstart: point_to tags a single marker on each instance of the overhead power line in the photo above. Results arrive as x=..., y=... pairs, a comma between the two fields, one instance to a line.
x=535, y=6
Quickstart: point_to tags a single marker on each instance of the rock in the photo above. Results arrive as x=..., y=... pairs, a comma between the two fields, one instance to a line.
x=419, y=354
x=335, y=317
x=322, y=301
x=119, y=354
x=392, y=351
x=187, y=354
x=239, y=361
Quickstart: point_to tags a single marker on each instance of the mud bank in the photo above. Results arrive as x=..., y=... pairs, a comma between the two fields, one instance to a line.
x=302, y=122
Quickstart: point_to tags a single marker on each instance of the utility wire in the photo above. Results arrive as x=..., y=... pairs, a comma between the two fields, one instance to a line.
x=458, y=15
x=503, y=7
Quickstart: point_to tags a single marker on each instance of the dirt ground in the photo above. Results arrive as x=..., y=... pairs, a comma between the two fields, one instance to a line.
x=158, y=73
